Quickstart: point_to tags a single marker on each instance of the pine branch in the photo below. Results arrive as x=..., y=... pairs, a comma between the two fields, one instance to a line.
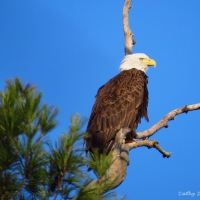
x=22, y=151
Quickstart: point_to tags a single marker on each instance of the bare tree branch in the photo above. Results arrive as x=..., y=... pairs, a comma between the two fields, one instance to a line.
x=128, y=35
x=116, y=174
x=164, y=121
x=149, y=144
x=164, y=153
x=142, y=143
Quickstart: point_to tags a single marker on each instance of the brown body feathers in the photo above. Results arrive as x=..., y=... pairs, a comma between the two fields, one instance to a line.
x=120, y=103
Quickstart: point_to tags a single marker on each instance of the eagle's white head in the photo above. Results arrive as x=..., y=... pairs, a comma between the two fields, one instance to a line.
x=138, y=61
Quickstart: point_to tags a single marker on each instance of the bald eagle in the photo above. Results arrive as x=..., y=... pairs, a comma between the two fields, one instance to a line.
x=120, y=103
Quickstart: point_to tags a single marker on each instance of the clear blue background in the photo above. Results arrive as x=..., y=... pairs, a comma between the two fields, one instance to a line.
x=70, y=48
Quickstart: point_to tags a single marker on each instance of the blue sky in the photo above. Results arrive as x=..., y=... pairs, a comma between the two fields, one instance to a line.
x=71, y=48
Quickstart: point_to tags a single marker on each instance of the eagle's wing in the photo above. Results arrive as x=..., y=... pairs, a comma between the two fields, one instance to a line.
x=121, y=102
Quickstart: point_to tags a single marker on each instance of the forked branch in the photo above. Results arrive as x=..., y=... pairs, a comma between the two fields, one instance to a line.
x=116, y=174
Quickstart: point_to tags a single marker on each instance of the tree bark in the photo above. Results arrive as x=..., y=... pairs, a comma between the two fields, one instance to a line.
x=128, y=35
x=116, y=174
x=164, y=121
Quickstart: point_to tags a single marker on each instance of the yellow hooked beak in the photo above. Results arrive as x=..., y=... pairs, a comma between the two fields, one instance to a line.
x=149, y=62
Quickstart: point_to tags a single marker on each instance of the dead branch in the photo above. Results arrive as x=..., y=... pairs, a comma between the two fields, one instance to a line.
x=164, y=121
x=149, y=144
x=128, y=35
x=164, y=153
x=116, y=174
x=142, y=143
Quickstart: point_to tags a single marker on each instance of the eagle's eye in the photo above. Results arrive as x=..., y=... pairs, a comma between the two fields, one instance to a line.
x=141, y=59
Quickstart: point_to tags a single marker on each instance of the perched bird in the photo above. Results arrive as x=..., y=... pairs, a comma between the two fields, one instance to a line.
x=120, y=103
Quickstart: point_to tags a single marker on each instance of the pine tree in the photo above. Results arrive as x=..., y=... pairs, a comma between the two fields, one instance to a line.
x=31, y=166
